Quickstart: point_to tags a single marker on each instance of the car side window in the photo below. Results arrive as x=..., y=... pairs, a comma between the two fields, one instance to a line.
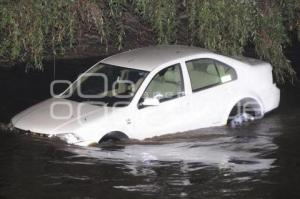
x=227, y=73
x=166, y=84
x=203, y=73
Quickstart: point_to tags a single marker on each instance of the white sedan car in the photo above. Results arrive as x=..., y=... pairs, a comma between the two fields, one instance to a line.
x=153, y=91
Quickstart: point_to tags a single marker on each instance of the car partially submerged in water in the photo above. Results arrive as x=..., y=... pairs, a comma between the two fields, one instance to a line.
x=153, y=91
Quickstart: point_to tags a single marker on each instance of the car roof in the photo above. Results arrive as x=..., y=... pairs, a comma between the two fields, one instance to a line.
x=148, y=58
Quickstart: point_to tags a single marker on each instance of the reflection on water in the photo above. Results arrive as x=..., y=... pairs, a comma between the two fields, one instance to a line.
x=235, y=153
x=210, y=163
x=240, y=152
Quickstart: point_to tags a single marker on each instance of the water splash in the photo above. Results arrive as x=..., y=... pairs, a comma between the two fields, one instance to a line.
x=237, y=154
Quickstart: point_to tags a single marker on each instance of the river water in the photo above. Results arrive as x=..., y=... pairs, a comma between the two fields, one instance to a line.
x=260, y=160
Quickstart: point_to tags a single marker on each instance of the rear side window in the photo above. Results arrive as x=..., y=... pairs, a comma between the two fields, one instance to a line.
x=205, y=73
x=227, y=73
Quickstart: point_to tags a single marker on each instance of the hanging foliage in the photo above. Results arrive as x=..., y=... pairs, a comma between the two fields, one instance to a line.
x=223, y=26
x=228, y=27
x=162, y=16
x=31, y=30
x=29, y=27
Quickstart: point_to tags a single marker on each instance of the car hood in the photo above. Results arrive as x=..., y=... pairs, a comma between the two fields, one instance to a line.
x=56, y=115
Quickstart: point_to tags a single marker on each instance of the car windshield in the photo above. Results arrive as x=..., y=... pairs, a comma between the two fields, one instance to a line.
x=106, y=85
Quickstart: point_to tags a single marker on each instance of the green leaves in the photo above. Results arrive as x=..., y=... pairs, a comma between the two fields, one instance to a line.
x=27, y=28
x=33, y=29
x=270, y=41
x=222, y=26
x=162, y=15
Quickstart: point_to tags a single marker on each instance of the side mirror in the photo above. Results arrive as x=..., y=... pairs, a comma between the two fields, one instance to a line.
x=150, y=102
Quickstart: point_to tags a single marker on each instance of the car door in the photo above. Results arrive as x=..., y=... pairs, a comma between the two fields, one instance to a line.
x=167, y=117
x=211, y=83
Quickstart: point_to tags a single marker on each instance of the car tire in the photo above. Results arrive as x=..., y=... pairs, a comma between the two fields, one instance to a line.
x=243, y=113
x=114, y=136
